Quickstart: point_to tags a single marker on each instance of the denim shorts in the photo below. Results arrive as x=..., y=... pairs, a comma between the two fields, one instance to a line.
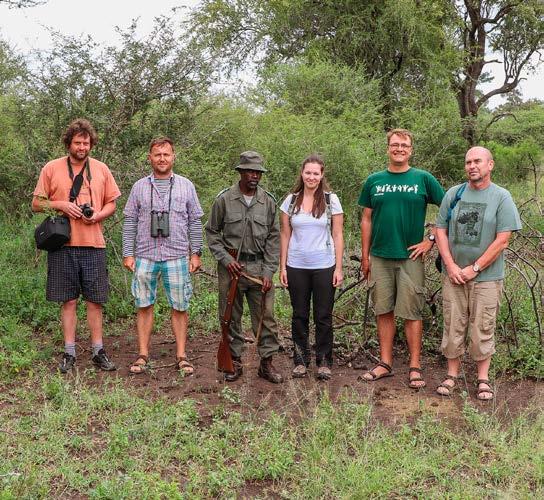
x=175, y=277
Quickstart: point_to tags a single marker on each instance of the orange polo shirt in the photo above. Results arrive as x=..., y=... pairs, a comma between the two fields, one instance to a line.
x=54, y=184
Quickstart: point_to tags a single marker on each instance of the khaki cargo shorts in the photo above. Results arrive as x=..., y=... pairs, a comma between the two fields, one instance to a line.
x=471, y=307
x=397, y=285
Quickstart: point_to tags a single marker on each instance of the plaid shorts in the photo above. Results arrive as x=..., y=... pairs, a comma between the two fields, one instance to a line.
x=175, y=276
x=75, y=271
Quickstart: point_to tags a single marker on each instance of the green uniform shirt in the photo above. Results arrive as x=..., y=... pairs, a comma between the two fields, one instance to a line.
x=399, y=205
x=225, y=226
x=475, y=221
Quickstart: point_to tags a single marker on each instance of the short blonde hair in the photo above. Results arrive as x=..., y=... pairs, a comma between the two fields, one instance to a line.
x=402, y=132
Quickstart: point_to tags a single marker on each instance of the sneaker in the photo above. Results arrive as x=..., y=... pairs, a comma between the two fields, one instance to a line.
x=324, y=373
x=299, y=371
x=102, y=361
x=67, y=363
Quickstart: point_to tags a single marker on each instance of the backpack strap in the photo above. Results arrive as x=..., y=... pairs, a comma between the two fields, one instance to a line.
x=328, y=211
x=291, y=207
x=456, y=198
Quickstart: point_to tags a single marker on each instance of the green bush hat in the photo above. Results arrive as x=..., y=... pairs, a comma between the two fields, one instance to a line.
x=250, y=160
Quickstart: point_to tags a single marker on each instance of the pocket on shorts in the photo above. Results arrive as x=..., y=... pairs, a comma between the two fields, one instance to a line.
x=489, y=317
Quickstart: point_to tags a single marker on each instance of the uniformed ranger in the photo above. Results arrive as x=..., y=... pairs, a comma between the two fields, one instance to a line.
x=246, y=210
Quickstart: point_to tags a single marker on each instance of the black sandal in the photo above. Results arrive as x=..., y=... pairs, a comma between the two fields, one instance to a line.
x=415, y=379
x=481, y=391
x=450, y=388
x=375, y=377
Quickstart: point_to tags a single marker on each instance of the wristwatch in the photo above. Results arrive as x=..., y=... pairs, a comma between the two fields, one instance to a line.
x=476, y=267
x=197, y=253
x=431, y=237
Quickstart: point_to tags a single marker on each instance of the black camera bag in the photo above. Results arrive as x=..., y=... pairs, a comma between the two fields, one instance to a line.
x=54, y=231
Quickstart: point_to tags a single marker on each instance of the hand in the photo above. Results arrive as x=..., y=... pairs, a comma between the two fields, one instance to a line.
x=421, y=248
x=283, y=278
x=70, y=209
x=365, y=267
x=337, y=278
x=234, y=268
x=129, y=263
x=94, y=219
x=194, y=263
x=469, y=273
x=455, y=274
x=267, y=284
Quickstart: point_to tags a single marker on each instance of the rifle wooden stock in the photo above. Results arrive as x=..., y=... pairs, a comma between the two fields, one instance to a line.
x=224, y=356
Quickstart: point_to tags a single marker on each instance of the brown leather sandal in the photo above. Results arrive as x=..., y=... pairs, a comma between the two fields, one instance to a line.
x=375, y=377
x=481, y=391
x=411, y=381
x=450, y=388
x=139, y=368
x=184, y=366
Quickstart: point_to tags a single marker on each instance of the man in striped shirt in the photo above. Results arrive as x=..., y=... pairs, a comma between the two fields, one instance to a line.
x=162, y=238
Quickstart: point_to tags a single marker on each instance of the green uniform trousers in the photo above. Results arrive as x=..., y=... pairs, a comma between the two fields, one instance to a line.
x=268, y=341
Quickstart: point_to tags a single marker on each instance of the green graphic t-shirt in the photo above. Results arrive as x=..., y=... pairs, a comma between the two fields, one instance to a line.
x=399, y=204
x=475, y=221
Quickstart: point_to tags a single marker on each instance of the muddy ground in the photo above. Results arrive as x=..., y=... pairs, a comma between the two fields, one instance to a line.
x=392, y=400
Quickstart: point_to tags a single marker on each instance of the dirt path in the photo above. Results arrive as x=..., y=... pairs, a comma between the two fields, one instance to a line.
x=393, y=401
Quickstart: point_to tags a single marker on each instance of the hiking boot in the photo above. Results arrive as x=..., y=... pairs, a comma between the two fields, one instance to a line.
x=67, y=363
x=238, y=370
x=102, y=361
x=269, y=372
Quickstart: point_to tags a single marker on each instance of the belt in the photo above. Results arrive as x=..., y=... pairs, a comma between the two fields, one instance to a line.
x=251, y=257
x=247, y=257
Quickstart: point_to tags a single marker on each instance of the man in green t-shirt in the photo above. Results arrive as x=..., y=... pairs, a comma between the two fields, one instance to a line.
x=393, y=245
x=471, y=239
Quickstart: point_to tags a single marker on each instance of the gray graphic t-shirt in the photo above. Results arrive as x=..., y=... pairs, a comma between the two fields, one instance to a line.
x=476, y=219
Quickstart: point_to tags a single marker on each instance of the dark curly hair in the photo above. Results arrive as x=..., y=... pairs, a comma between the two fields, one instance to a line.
x=77, y=127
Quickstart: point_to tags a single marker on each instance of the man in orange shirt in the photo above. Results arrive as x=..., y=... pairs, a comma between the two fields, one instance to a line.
x=79, y=267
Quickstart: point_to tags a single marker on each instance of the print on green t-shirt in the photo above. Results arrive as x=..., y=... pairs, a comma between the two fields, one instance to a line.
x=399, y=204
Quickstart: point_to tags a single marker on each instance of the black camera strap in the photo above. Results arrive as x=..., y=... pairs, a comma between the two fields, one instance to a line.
x=77, y=181
x=169, y=194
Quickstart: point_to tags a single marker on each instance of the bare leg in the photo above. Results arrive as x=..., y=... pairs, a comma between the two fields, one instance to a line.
x=483, y=374
x=94, y=320
x=386, y=334
x=180, y=321
x=144, y=325
x=68, y=319
x=414, y=333
x=413, y=330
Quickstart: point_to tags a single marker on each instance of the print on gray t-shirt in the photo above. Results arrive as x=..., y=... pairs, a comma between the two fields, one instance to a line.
x=468, y=224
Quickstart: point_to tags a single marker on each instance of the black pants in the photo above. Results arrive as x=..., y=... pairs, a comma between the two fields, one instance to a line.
x=314, y=285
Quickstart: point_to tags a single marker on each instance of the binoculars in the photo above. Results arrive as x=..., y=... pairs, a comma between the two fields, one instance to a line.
x=160, y=224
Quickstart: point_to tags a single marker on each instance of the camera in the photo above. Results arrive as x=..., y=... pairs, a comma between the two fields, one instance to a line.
x=160, y=224
x=87, y=210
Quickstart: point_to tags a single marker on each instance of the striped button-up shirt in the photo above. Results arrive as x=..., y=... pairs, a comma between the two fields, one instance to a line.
x=184, y=209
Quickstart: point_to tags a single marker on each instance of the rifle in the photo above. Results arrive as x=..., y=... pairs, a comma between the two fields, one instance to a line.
x=224, y=356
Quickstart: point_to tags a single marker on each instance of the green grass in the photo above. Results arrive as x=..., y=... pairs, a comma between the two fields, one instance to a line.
x=64, y=438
